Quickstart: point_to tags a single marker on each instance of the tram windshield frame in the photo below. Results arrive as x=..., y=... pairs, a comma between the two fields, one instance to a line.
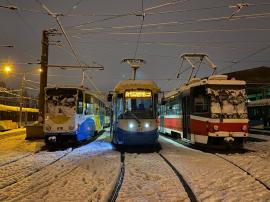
x=139, y=105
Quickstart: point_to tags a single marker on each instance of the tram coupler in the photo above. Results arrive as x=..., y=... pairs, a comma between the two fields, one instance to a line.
x=52, y=139
x=229, y=140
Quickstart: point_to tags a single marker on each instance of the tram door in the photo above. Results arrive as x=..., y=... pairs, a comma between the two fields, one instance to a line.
x=161, y=118
x=186, y=117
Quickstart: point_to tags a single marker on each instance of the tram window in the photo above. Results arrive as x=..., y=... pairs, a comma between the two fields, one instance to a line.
x=200, y=104
x=173, y=107
x=80, y=103
x=120, y=107
x=88, y=103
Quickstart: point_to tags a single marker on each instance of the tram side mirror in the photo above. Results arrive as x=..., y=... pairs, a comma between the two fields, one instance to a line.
x=109, y=97
x=163, y=102
x=121, y=95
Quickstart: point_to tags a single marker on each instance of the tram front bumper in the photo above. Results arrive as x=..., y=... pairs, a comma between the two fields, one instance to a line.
x=60, y=137
x=123, y=137
x=228, y=134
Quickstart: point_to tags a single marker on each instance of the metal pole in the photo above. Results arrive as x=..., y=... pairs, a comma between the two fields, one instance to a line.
x=82, y=81
x=21, y=100
x=44, y=72
x=134, y=71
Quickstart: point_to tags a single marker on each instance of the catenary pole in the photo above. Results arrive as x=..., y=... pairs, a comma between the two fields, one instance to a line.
x=44, y=72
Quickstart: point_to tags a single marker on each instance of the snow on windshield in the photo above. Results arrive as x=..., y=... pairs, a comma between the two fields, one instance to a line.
x=228, y=102
x=61, y=104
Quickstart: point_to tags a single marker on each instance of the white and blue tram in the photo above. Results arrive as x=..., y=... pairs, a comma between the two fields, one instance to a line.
x=134, y=106
x=72, y=114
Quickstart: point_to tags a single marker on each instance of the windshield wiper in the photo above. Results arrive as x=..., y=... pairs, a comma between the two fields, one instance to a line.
x=135, y=117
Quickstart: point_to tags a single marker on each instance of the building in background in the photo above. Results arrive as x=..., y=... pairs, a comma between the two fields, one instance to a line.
x=258, y=92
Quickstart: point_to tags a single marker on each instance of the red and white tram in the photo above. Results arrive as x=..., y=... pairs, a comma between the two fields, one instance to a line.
x=206, y=111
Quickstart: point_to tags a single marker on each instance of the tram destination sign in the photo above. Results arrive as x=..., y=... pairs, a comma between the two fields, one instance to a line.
x=138, y=94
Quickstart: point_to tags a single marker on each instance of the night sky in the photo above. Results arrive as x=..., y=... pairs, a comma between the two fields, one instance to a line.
x=109, y=32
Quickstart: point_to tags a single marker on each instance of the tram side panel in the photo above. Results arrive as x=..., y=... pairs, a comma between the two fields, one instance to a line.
x=72, y=115
x=201, y=123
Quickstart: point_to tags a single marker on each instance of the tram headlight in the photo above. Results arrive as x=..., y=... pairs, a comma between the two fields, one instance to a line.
x=216, y=127
x=48, y=128
x=146, y=125
x=131, y=125
x=244, y=127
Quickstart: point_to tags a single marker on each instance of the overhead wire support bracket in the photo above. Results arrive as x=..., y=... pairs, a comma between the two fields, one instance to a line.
x=238, y=8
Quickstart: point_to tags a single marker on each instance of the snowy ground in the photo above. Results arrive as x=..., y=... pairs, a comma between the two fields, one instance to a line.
x=257, y=160
x=78, y=175
x=212, y=178
x=149, y=178
x=16, y=147
x=89, y=172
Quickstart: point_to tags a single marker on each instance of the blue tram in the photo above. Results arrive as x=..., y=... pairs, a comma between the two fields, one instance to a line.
x=134, y=106
x=72, y=114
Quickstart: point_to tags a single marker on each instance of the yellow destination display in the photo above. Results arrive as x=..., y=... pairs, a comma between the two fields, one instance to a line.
x=137, y=94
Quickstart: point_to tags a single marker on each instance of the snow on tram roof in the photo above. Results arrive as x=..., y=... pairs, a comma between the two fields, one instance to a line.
x=82, y=88
x=136, y=84
x=211, y=80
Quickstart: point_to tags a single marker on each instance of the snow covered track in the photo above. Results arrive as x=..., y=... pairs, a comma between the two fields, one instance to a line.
x=88, y=173
x=15, y=159
x=189, y=191
x=119, y=179
x=258, y=180
x=24, y=167
x=149, y=178
x=210, y=177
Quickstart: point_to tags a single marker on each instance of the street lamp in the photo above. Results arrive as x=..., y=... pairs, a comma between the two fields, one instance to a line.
x=7, y=69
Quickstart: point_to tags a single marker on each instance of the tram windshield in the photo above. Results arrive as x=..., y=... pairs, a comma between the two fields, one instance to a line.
x=227, y=102
x=137, y=104
x=61, y=101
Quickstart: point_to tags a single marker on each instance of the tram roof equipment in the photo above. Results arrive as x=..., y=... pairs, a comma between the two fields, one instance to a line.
x=124, y=85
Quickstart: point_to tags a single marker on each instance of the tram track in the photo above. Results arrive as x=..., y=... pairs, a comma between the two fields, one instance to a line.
x=15, y=159
x=35, y=171
x=248, y=173
x=228, y=161
x=138, y=162
x=120, y=179
x=42, y=185
x=184, y=183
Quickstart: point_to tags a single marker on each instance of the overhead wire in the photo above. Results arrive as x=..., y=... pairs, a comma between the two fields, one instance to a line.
x=239, y=7
x=73, y=7
x=246, y=57
x=192, y=31
x=203, y=8
x=67, y=14
x=74, y=51
x=140, y=32
x=26, y=24
x=126, y=14
x=87, y=31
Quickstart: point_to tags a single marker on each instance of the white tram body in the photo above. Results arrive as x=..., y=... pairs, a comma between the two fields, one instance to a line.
x=206, y=111
x=72, y=114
